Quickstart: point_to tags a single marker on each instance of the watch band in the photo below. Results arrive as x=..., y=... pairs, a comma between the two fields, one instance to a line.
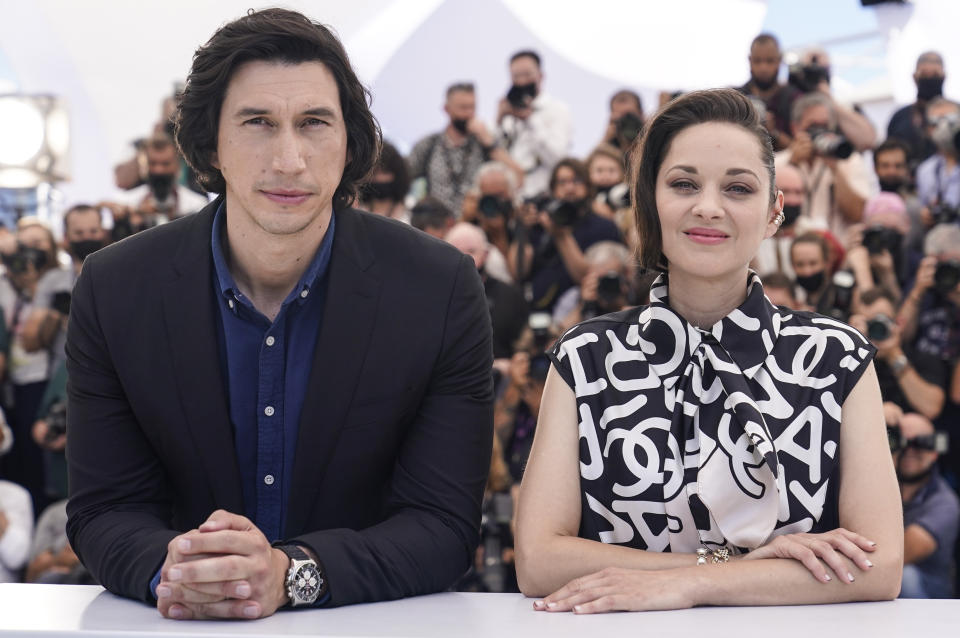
x=899, y=365
x=303, y=567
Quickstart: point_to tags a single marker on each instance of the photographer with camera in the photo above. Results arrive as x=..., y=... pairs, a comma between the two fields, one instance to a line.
x=823, y=289
x=834, y=174
x=449, y=160
x=604, y=289
x=938, y=177
x=161, y=199
x=891, y=165
x=765, y=58
x=931, y=510
x=626, y=121
x=495, y=192
x=811, y=74
x=558, y=230
x=534, y=128
x=876, y=249
x=385, y=190
x=913, y=380
x=607, y=185
x=774, y=252
x=910, y=122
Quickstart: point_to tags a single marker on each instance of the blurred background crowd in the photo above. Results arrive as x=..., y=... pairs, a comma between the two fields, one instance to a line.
x=871, y=237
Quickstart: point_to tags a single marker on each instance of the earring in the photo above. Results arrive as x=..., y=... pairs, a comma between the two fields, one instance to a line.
x=779, y=218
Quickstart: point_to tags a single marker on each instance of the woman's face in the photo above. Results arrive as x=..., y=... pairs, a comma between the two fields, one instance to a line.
x=713, y=199
x=807, y=259
x=605, y=171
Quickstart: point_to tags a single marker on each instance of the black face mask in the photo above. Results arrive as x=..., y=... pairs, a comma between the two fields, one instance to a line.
x=891, y=184
x=929, y=88
x=460, y=125
x=791, y=212
x=380, y=191
x=84, y=248
x=811, y=283
x=161, y=185
x=763, y=85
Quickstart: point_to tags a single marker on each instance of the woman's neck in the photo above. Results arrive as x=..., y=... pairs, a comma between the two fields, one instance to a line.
x=703, y=302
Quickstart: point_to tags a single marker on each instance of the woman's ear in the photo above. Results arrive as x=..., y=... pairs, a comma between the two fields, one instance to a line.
x=776, y=216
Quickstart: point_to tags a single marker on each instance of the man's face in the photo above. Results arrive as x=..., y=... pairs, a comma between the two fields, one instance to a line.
x=879, y=307
x=282, y=144
x=524, y=70
x=912, y=461
x=461, y=105
x=928, y=70
x=494, y=183
x=790, y=181
x=764, y=62
x=892, y=164
x=163, y=162
x=569, y=187
x=817, y=115
x=623, y=104
x=935, y=113
x=470, y=243
x=83, y=225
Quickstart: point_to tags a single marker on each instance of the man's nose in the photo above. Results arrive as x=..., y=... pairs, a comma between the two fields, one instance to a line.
x=288, y=152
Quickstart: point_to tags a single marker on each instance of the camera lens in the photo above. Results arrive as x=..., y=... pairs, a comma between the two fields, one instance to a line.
x=878, y=328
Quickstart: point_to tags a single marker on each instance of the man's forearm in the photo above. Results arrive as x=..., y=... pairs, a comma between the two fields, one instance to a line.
x=572, y=256
x=926, y=398
x=849, y=201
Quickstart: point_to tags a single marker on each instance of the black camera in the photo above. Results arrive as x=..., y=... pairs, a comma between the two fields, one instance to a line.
x=879, y=328
x=943, y=214
x=56, y=421
x=830, y=144
x=562, y=213
x=25, y=256
x=938, y=442
x=629, y=126
x=539, y=323
x=491, y=206
x=807, y=77
x=946, y=276
x=877, y=239
x=618, y=196
x=610, y=287
x=61, y=302
x=843, y=283
x=521, y=95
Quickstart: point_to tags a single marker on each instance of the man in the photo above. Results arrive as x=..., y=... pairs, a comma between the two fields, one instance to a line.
x=432, y=217
x=162, y=198
x=508, y=309
x=774, y=252
x=449, y=160
x=555, y=237
x=496, y=187
x=931, y=511
x=534, y=128
x=909, y=122
x=836, y=189
x=765, y=59
x=876, y=250
x=626, y=120
x=891, y=165
x=297, y=395
x=938, y=177
x=83, y=234
x=914, y=381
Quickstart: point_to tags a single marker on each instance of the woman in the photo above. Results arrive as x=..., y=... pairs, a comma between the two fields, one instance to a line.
x=730, y=453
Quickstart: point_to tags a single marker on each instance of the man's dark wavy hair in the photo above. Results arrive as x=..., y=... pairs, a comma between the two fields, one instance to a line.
x=272, y=35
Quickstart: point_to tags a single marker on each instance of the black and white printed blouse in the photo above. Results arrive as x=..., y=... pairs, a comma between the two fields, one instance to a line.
x=692, y=438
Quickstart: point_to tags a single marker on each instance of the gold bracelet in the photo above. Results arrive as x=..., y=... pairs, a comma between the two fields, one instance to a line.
x=721, y=555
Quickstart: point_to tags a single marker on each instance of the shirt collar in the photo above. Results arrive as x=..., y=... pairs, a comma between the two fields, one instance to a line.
x=311, y=276
x=747, y=334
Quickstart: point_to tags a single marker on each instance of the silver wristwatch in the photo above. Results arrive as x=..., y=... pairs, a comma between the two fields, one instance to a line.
x=305, y=582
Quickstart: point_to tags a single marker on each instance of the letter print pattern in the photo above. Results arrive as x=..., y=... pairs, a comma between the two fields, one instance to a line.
x=720, y=437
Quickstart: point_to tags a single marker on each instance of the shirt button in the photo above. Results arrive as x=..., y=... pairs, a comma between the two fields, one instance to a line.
x=230, y=303
x=268, y=410
x=304, y=294
x=271, y=341
x=268, y=479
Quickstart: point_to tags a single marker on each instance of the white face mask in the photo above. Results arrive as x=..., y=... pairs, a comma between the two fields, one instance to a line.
x=945, y=129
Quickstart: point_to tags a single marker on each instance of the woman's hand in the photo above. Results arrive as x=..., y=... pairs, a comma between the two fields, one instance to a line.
x=832, y=548
x=619, y=589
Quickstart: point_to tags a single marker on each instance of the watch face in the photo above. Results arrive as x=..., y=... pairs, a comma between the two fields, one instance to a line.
x=307, y=583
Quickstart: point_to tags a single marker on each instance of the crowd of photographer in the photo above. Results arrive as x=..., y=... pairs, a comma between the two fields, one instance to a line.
x=553, y=239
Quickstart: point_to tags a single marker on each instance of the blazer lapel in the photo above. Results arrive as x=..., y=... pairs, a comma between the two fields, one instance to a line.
x=348, y=319
x=190, y=315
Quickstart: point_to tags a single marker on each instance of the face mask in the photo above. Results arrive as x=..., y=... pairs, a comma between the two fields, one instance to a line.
x=811, y=283
x=763, y=85
x=791, y=212
x=84, y=248
x=161, y=185
x=460, y=125
x=891, y=184
x=929, y=88
x=379, y=190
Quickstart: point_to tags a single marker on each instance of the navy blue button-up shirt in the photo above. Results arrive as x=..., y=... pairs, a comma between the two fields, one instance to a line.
x=267, y=367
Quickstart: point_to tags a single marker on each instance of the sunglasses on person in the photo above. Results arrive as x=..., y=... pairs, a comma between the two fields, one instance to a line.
x=937, y=442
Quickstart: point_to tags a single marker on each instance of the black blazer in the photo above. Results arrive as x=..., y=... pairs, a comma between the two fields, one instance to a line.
x=395, y=433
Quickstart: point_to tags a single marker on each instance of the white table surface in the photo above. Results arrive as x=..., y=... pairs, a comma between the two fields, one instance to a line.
x=73, y=610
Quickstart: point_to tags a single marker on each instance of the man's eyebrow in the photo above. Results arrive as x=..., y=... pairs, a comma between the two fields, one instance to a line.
x=252, y=111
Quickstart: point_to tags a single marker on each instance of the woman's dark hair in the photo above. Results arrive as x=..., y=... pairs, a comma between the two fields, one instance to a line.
x=815, y=238
x=271, y=35
x=697, y=107
x=579, y=170
x=390, y=161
